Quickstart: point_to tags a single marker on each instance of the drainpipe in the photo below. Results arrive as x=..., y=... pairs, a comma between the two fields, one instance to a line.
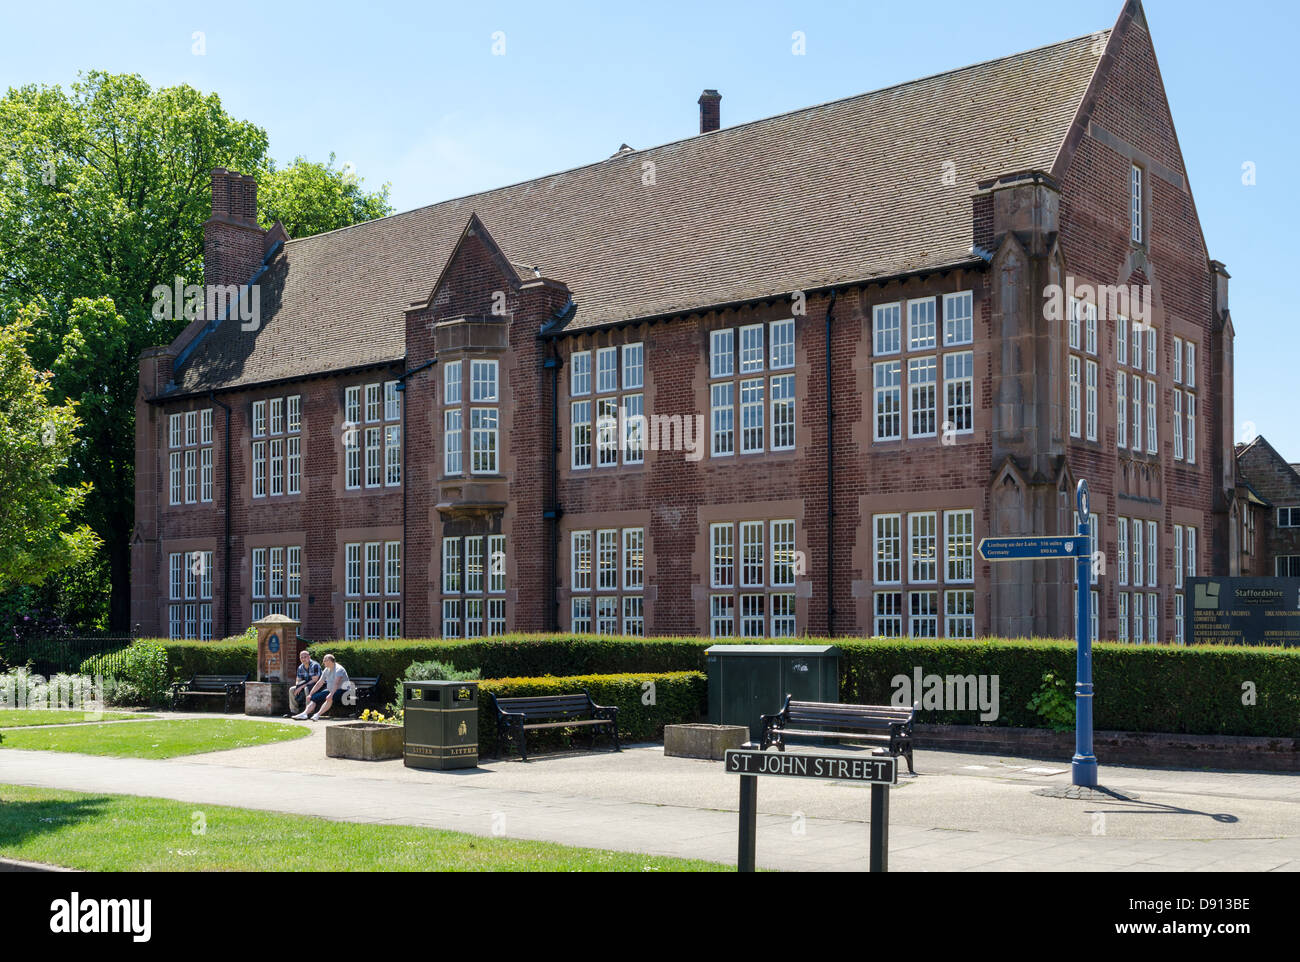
x=830, y=476
x=401, y=390
x=550, y=333
x=225, y=553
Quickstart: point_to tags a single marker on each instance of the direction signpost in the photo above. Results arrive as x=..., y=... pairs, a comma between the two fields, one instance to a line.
x=878, y=771
x=1083, y=767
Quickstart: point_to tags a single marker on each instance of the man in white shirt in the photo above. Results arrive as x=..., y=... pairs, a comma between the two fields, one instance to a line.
x=331, y=684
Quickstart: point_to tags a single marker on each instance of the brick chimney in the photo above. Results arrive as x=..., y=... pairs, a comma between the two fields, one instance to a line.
x=710, y=111
x=233, y=244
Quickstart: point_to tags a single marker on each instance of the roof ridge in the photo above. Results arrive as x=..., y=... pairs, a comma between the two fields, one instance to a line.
x=713, y=133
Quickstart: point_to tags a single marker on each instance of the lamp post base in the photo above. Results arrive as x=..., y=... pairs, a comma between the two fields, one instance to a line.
x=1083, y=771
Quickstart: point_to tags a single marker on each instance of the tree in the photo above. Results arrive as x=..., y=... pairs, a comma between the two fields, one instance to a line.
x=104, y=189
x=36, y=440
x=309, y=198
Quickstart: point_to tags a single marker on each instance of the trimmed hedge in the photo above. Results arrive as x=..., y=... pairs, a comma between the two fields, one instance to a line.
x=679, y=697
x=1168, y=688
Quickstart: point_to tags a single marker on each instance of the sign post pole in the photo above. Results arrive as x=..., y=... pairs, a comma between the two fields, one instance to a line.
x=748, y=822
x=1083, y=767
x=879, y=828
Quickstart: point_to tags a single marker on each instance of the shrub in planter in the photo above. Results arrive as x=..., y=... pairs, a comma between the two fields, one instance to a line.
x=430, y=671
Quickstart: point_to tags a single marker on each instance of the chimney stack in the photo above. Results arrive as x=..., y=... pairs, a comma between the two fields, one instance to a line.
x=233, y=244
x=710, y=111
x=234, y=197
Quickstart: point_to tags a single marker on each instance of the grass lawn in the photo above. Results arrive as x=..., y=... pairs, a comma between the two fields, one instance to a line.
x=112, y=833
x=154, y=739
x=27, y=717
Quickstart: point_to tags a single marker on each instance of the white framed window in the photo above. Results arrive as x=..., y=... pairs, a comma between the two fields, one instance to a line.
x=1191, y=552
x=1123, y=616
x=722, y=416
x=634, y=428
x=1135, y=357
x=496, y=616
x=922, y=547
x=451, y=618
x=1139, y=618
x=276, y=461
x=191, y=428
x=205, y=426
x=293, y=413
x=782, y=344
x=374, y=454
x=1178, y=556
x=959, y=545
x=1090, y=328
x=921, y=375
x=392, y=401
x=633, y=559
x=352, y=569
x=483, y=440
x=921, y=325
x=259, y=573
x=1178, y=425
x=1153, y=556
x=580, y=433
x=607, y=442
x=751, y=554
x=888, y=549
x=580, y=373
x=607, y=559
x=633, y=366
x=783, y=615
x=374, y=567
x=1121, y=409
x=634, y=616
x=374, y=403
x=1135, y=204
x=293, y=462
x=276, y=408
x=392, y=567
x=1121, y=530
x=783, y=554
x=259, y=419
x=1191, y=428
x=959, y=392
x=1153, y=347
x=606, y=616
x=751, y=348
x=886, y=329
x=1189, y=370
x=1139, y=568
x=959, y=614
x=451, y=581
x=722, y=353
x=580, y=560
x=783, y=412
x=1178, y=360
x=888, y=400
x=753, y=617
x=751, y=415
x=888, y=620
x=1075, y=316
x=259, y=469
x=451, y=454
x=722, y=555
x=473, y=567
x=392, y=455
x=1121, y=339
x=924, y=619
x=293, y=571
x=177, y=477
x=451, y=393
x=1090, y=401
x=722, y=616
x=496, y=565
x=1135, y=404
x=483, y=381
x=175, y=428
x=1152, y=444
x=606, y=370
x=1074, y=396
x=191, y=476
x=958, y=318
x=1179, y=620
x=580, y=616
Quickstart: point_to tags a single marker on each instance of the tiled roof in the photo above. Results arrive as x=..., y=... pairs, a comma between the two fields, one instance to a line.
x=845, y=191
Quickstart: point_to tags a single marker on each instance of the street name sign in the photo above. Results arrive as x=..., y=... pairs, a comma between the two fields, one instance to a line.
x=866, y=769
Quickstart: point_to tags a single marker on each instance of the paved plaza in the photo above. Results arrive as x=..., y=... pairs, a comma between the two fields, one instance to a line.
x=961, y=812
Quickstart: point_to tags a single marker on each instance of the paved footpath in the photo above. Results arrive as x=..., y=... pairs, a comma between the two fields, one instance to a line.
x=962, y=812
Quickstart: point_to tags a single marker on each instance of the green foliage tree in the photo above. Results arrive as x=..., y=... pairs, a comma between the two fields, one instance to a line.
x=309, y=198
x=36, y=439
x=104, y=189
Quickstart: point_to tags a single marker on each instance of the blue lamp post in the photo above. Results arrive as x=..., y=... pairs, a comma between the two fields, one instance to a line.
x=1083, y=767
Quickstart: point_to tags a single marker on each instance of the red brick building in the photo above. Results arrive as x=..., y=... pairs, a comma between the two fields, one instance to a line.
x=772, y=379
x=1266, y=523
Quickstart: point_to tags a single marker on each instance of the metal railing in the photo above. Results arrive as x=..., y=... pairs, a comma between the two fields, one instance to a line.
x=52, y=656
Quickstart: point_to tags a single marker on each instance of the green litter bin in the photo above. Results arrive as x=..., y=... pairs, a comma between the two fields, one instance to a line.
x=440, y=724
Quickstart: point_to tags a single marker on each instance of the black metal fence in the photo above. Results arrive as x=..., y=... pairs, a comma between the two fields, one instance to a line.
x=52, y=656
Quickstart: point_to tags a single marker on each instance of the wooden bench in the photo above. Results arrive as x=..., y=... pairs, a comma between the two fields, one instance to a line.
x=518, y=716
x=365, y=693
x=209, y=686
x=880, y=724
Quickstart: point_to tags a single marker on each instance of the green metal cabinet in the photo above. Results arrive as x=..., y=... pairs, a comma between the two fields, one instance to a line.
x=440, y=724
x=749, y=681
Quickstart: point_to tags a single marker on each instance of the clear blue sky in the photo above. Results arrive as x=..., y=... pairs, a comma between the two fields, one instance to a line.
x=412, y=94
